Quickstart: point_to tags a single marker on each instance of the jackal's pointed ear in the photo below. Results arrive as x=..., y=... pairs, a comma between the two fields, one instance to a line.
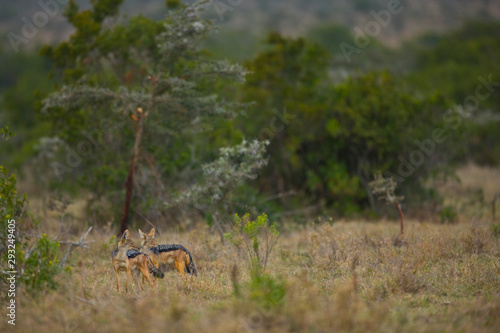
x=125, y=235
x=143, y=235
x=152, y=232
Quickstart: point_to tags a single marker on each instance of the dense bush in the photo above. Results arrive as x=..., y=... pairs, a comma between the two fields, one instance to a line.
x=330, y=146
x=463, y=66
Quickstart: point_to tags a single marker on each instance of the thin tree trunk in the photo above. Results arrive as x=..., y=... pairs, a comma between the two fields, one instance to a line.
x=493, y=204
x=398, y=206
x=218, y=226
x=140, y=117
x=129, y=185
x=363, y=173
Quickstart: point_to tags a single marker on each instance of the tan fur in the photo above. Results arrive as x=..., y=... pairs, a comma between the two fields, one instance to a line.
x=121, y=262
x=179, y=258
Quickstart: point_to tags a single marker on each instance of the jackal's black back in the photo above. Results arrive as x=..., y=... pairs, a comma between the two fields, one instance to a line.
x=171, y=247
x=133, y=253
x=174, y=247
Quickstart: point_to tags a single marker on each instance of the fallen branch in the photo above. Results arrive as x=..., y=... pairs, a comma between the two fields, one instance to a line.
x=85, y=300
x=145, y=219
x=73, y=245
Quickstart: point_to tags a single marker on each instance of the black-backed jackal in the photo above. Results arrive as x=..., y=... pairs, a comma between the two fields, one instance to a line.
x=127, y=257
x=169, y=253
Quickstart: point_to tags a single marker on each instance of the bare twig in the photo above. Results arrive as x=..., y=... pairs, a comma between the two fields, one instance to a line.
x=85, y=300
x=401, y=216
x=145, y=219
x=384, y=188
x=218, y=226
x=354, y=263
x=279, y=196
x=493, y=205
x=72, y=245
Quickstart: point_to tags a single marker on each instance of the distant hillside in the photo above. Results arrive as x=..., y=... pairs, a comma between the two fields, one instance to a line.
x=296, y=17
x=290, y=17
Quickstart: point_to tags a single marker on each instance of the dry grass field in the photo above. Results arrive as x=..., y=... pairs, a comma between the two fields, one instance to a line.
x=323, y=276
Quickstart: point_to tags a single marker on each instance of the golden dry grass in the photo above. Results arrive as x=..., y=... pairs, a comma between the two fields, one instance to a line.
x=446, y=278
x=486, y=179
x=338, y=276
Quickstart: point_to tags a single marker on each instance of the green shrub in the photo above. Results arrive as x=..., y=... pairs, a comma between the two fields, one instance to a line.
x=449, y=215
x=257, y=238
x=496, y=230
x=266, y=291
x=40, y=264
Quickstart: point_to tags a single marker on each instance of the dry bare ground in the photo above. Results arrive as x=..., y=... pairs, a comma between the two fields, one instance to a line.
x=325, y=276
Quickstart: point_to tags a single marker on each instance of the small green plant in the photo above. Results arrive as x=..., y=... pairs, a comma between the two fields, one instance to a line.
x=257, y=238
x=11, y=205
x=496, y=230
x=40, y=264
x=111, y=244
x=449, y=215
x=11, y=210
x=267, y=292
x=5, y=133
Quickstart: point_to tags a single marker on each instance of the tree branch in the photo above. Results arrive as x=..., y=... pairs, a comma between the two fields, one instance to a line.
x=72, y=245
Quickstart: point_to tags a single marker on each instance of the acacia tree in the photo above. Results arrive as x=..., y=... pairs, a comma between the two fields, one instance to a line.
x=146, y=85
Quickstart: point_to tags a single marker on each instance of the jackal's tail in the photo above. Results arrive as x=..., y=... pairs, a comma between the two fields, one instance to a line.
x=153, y=269
x=191, y=268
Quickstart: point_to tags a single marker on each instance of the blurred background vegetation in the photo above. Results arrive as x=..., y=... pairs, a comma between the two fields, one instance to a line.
x=331, y=123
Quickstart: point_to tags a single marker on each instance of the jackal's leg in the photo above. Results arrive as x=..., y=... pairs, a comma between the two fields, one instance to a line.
x=128, y=277
x=134, y=277
x=145, y=274
x=180, y=265
x=117, y=281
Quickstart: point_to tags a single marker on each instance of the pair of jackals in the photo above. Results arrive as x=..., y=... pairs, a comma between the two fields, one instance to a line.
x=145, y=260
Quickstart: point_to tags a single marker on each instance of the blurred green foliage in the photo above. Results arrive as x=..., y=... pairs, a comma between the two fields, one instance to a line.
x=266, y=291
x=327, y=139
x=449, y=214
x=21, y=82
x=455, y=65
x=331, y=124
